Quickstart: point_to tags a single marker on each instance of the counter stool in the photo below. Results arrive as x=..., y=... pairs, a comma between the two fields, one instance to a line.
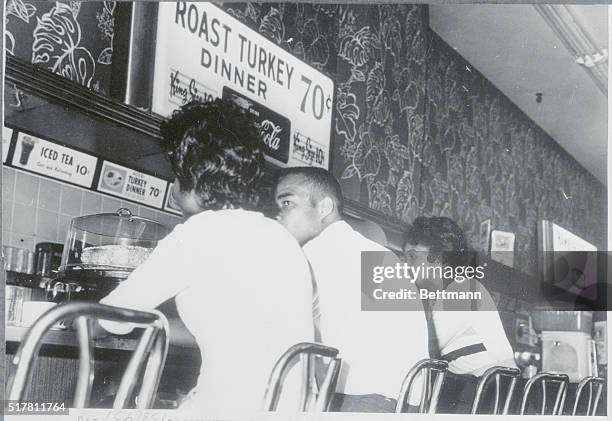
x=429, y=397
x=591, y=408
x=152, y=348
x=313, y=398
x=496, y=372
x=543, y=378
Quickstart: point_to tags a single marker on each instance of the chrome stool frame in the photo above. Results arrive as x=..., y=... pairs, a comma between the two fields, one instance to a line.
x=305, y=352
x=561, y=379
x=591, y=408
x=154, y=342
x=496, y=372
x=429, y=398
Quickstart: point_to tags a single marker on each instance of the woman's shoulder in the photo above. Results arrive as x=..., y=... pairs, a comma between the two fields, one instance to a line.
x=232, y=220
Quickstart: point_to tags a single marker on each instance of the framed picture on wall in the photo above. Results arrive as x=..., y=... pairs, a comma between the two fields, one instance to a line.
x=485, y=236
x=502, y=247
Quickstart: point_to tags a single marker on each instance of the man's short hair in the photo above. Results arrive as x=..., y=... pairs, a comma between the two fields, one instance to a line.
x=320, y=182
x=443, y=236
x=214, y=149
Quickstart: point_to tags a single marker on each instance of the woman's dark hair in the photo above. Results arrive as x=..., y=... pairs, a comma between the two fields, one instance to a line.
x=443, y=236
x=214, y=149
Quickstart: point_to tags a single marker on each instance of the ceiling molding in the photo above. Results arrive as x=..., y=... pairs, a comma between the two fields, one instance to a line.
x=581, y=45
x=523, y=57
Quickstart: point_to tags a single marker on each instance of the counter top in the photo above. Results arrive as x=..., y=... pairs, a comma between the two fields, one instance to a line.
x=181, y=341
x=68, y=338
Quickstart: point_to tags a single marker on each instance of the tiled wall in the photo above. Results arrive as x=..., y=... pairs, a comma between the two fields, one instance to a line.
x=36, y=209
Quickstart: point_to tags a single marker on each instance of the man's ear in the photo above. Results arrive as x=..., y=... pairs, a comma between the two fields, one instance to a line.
x=326, y=207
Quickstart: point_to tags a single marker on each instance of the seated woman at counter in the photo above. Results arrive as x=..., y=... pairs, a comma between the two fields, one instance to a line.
x=241, y=282
x=466, y=331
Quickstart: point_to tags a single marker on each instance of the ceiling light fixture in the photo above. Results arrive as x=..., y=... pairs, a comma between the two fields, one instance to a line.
x=592, y=57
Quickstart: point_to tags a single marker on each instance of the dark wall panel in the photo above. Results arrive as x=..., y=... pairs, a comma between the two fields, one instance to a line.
x=73, y=39
x=380, y=138
x=490, y=160
x=309, y=31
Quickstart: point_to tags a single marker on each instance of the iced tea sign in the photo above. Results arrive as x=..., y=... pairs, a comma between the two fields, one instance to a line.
x=53, y=160
x=204, y=53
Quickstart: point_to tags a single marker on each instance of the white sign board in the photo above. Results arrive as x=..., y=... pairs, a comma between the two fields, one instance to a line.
x=55, y=161
x=577, y=261
x=563, y=240
x=6, y=142
x=133, y=185
x=204, y=53
x=502, y=247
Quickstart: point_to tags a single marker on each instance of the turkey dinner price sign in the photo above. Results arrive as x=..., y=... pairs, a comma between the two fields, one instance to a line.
x=133, y=185
x=203, y=53
x=52, y=160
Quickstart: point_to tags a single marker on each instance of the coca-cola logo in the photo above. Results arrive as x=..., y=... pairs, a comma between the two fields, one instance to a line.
x=270, y=133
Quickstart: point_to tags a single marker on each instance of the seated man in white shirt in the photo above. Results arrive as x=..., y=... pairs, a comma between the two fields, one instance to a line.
x=377, y=348
x=241, y=282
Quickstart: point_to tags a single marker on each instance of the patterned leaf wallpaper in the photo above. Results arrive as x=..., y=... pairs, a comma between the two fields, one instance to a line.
x=488, y=160
x=306, y=30
x=73, y=39
x=419, y=131
x=380, y=107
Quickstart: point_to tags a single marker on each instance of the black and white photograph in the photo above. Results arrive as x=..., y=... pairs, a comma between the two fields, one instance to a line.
x=229, y=210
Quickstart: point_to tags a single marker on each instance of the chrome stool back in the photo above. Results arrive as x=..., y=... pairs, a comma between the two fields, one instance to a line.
x=543, y=378
x=591, y=408
x=305, y=352
x=153, y=342
x=429, y=396
x=496, y=373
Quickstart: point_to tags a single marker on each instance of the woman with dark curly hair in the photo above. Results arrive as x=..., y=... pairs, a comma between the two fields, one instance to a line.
x=216, y=156
x=241, y=282
x=466, y=333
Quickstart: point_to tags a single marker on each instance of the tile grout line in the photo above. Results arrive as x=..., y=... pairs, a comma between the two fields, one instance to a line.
x=12, y=211
x=83, y=193
x=37, y=215
x=59, y=206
